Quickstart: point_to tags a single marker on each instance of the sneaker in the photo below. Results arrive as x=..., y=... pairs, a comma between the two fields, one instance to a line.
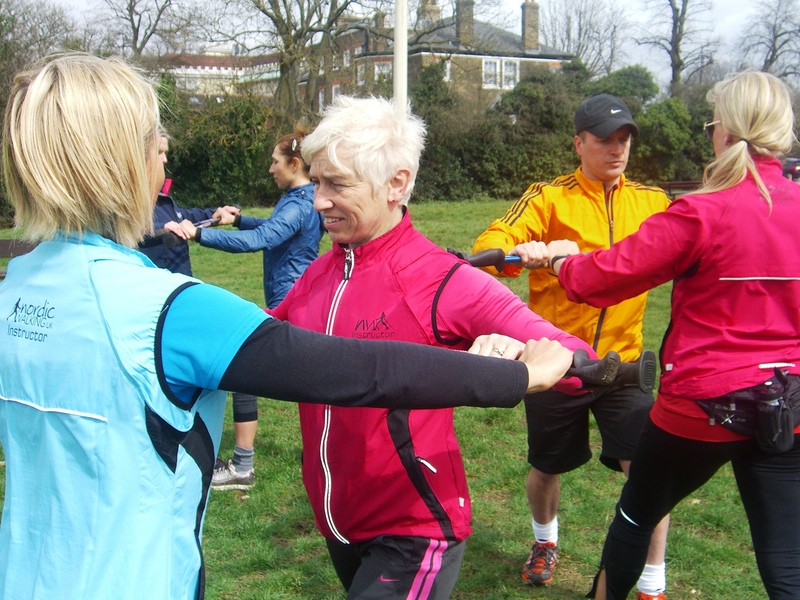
x=541, y=564
x=644, y=596
x=226, y=477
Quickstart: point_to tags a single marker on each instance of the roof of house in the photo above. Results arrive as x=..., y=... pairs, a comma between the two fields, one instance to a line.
x=219, y=61
x=487, y=39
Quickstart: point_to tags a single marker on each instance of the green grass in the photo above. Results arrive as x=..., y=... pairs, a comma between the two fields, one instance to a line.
x=264, y=545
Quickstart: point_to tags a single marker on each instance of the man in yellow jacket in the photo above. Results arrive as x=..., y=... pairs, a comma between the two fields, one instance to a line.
x=595, y=206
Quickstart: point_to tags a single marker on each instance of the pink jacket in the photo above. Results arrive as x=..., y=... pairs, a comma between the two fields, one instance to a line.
x=736, y=293
x=371, y=472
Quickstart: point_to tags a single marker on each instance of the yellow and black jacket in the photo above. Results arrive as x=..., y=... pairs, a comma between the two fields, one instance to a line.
x=575, y=208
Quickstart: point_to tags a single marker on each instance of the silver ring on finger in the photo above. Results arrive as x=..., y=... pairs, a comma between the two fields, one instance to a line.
x=498, y=351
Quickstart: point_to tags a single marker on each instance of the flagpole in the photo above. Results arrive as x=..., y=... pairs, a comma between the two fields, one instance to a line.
x=400, y=67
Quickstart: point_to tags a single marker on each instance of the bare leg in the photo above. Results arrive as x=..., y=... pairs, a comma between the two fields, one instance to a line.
x=245, y=433
x=600, y=592
x=544, y=493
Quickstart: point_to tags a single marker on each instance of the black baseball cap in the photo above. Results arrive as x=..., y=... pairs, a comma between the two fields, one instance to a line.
x=602, y=115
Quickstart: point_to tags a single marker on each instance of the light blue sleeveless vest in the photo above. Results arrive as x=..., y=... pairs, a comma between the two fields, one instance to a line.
x=106, y=476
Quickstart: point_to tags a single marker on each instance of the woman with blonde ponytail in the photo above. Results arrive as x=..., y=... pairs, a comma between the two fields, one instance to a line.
x=730, y=383
x=750, y=130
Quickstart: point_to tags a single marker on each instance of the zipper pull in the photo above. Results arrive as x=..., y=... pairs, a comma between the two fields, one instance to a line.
x=349, y=260
x=425, y=463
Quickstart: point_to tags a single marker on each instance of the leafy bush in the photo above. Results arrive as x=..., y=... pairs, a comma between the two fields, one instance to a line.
x=220, y=151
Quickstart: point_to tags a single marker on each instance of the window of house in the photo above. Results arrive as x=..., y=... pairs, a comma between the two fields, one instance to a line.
x=510, y=74
x=361, y=74
x=321, y=98
x=336, y=89
x=358, y=50
x=382, y=69
x=346, y=57
x=500, y=74
x=491, y=73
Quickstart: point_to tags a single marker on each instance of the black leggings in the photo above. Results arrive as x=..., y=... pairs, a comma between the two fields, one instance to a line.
x=245, y=408
x=667, y=468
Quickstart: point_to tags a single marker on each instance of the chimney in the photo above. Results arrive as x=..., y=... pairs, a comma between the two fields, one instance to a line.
x=530, y=25
x=428, y=14
x=465, y=21
x=376, y=42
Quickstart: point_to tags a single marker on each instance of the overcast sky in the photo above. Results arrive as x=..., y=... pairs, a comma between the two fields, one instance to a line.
x=727, y=18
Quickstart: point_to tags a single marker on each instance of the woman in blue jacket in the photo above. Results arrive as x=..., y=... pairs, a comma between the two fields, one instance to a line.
x=290, y=241
x=290, y=238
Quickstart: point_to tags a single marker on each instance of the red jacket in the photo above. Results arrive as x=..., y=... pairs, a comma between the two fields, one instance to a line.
x=371, y=472
x=735, y=298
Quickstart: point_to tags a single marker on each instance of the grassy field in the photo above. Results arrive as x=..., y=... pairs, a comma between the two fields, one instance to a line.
x=264, y=545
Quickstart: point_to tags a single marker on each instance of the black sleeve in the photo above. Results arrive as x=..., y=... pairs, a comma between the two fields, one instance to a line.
x=284, y=362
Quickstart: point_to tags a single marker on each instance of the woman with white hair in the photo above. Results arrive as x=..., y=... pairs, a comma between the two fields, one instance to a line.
x=388, y=487
x=111, y=402
x=729, y=389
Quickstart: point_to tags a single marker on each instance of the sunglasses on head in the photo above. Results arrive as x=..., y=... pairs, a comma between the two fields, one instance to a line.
x=708, y=129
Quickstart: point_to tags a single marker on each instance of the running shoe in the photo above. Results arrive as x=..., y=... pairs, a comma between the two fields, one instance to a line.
x=644, y=596
x=541, y=564
x=226, y=477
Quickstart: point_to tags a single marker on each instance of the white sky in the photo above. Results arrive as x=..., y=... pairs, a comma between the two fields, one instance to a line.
x=726, y=19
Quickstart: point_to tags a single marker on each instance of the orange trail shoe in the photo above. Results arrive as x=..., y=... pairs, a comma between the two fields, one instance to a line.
x=541, y=564
x=644, y=596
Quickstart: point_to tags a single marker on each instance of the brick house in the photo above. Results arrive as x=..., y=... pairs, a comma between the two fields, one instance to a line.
x=481, y=60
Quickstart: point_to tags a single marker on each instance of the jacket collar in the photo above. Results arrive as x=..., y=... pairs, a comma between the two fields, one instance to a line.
x=595, y=188
x=383, y=243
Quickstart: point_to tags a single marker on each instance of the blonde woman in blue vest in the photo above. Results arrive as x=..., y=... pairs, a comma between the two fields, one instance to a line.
x=110, y=403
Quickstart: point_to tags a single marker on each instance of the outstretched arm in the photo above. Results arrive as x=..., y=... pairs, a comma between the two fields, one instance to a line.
x=259, y=355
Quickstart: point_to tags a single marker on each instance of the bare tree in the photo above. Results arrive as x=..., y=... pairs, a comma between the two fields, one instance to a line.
x=29, y=29
x=592, y=30
x=772, y=43
x=677, y=27
x=160, y=24
x=301, y=32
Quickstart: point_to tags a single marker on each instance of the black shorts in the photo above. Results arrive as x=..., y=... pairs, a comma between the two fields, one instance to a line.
x=396, y=568
x=558, y=427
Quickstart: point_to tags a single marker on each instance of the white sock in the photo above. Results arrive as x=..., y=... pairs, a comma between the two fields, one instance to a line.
x=547, y=532
x=653, y=579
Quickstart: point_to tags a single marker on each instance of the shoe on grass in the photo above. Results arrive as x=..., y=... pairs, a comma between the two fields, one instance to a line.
x=644, y=596
x=226, y=477
x=538, y=570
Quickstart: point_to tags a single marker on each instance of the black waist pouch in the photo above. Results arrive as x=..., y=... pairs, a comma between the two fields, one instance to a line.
x=768, y=412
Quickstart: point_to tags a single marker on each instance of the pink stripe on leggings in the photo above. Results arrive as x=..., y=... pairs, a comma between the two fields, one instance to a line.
x=428, y=569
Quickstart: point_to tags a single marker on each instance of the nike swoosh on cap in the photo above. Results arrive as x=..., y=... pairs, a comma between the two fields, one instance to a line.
x=615, y=110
